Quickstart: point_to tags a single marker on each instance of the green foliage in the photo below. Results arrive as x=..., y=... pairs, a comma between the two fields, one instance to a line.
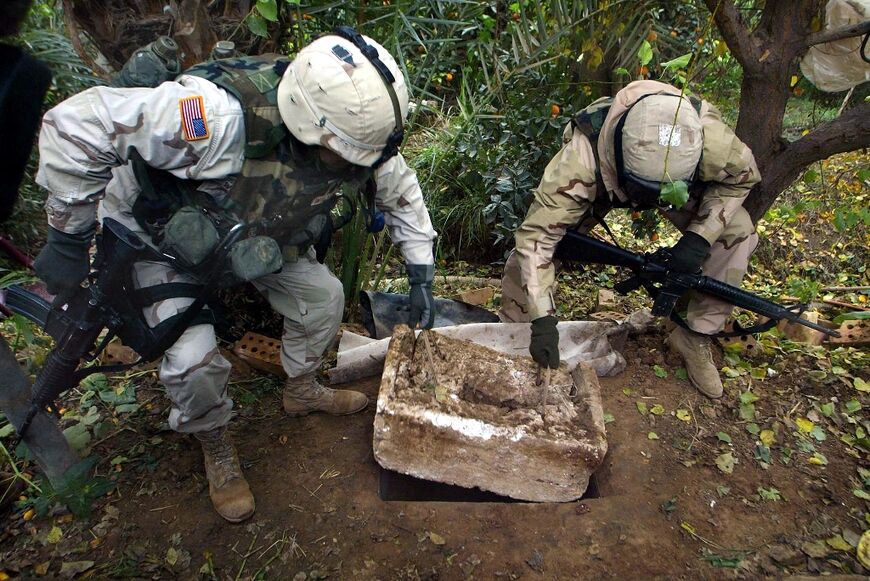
x=78, y=490
x=675, y=193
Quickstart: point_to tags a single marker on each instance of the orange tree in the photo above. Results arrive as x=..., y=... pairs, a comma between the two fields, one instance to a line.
x=768, y=38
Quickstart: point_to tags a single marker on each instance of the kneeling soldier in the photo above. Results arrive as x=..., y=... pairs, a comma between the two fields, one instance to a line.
x=616, y=154
x=254, y=140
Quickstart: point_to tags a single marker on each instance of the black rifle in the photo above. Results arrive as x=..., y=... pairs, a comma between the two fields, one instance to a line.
x=666, y=286
x=104, y=304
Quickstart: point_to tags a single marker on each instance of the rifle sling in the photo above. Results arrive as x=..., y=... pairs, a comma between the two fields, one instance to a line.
x=737, y=332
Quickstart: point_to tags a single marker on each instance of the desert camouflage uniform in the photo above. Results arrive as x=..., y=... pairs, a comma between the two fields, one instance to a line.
x=84, y=146
x=564, y=199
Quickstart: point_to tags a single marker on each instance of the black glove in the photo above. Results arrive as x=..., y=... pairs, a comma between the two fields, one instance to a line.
x=689, y=253
x=544, y=347
x=63, y=263
x=422, y=303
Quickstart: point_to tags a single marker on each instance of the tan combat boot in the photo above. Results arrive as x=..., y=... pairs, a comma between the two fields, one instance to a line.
x=304, y=395
x=695, y=351
x=227, y=487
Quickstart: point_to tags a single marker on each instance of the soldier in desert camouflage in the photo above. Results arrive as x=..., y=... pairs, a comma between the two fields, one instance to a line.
x=242, y=139
x=616, y=153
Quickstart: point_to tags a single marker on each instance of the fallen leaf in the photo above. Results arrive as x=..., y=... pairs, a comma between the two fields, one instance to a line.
x=818, y=459
x=652, y=436
x=864, y=549
x=804, y=425
x=436, y=539
x=73, y=568
x=862, y=494
x=816, y=549
x=853, y=406
x=748, y=397
x=54, y=536
x=837, y=542
x=171, y=556
x=725, y=462
x=608, y=418
x=762, y=454
x=684, y=415
x=442, y=394
x=747, y=411
x=660, y=371
x=41, y=568
x=827, y=409
x=657, y=409
x=627, y=390
x=767, y=437
x=769, y=494
x=818, y=432
x=723, y=437
x=681, y=373
x=641, y=408
x=861, y=385
x=753, y=428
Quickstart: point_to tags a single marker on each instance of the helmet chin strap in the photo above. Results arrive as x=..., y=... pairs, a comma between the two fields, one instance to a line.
x=394, y=140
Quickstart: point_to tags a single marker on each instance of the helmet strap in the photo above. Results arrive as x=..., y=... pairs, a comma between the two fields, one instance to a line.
x=395, y=138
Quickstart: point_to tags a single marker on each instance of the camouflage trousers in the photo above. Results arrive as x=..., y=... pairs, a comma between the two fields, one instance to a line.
x=194, y=372
x=728, y=261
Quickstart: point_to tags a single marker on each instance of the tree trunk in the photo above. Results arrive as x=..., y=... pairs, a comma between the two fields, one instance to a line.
x=118, y=27
x=769, y=55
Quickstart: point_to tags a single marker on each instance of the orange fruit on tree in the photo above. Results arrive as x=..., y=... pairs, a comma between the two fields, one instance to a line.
x=449, y=77
x=654, y=236
x=652, y=36
x=555, y=110
x=674, y=33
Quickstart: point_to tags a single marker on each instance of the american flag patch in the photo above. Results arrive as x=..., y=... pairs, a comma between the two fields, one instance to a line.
x=193, y=121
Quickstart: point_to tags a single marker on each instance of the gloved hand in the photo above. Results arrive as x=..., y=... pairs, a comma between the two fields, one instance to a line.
x=689, y=253
x=544, y=347
x=422, y=302
x=63, y=263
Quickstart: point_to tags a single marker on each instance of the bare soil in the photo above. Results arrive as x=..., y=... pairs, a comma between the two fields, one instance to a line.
x=664, y=510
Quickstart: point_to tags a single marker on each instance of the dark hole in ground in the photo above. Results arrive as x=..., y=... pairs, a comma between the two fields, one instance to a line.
x=395, y=486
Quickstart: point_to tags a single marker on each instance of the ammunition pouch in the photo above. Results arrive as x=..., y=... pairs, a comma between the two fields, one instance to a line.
x=189, y=236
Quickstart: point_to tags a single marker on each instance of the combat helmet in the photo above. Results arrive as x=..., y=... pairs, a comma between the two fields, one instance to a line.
x=345, y=92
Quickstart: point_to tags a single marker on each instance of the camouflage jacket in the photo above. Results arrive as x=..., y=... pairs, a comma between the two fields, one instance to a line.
x=195, y=130
x=568, y=188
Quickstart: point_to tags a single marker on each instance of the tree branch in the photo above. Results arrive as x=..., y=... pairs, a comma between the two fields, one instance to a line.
x=733, y=30
x=839, y=33
x=848, y=132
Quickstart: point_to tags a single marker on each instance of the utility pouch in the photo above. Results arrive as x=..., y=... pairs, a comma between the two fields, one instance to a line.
x=189, y=236
x=254, y=257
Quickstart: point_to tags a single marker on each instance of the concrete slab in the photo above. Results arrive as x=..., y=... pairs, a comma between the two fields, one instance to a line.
x=473, y=417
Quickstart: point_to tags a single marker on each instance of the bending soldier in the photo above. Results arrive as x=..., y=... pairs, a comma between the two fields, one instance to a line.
x=616, y=153
x=243, y=139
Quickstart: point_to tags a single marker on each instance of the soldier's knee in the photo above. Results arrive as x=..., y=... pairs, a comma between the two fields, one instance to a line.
x=741, y=224
x=334, y=296
x=195, y=351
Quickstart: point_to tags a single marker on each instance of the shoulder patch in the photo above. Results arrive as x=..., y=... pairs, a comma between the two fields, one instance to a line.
x=193, y=121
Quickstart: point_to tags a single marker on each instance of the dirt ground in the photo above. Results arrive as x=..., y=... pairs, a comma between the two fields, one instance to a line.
x=663, y=509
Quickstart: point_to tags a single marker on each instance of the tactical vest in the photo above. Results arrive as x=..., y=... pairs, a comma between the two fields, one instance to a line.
x=283, y=185
x=589, y=122
x=282, y=180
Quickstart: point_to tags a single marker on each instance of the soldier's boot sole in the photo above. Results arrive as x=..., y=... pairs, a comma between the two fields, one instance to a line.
x=233, y=501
